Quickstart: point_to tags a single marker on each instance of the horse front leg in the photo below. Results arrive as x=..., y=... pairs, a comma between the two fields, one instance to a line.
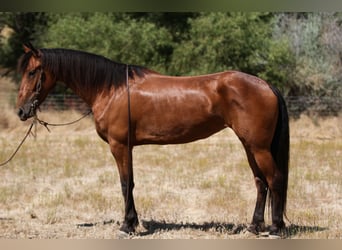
x=123, y=157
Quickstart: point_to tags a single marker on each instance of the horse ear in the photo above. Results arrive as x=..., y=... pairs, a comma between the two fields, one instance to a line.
x=29, y=47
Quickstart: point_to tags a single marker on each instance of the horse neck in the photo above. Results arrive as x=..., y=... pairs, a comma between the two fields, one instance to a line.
x=77, y=90
x=92, y=96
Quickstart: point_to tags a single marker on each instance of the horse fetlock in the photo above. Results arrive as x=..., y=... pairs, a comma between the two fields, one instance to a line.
x=129, y=225
x=256, y=228
x=277, y=228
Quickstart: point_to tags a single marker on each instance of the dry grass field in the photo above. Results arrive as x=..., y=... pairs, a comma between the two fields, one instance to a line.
x=65, y=184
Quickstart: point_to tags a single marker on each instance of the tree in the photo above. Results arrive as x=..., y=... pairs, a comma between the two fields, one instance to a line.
x=300, y=53
x=116, y=36
x=316, y=41
x=25, y=27
x=237, y=41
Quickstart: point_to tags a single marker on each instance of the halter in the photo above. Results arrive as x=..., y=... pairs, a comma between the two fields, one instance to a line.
x=35, y=102
x=35, y=105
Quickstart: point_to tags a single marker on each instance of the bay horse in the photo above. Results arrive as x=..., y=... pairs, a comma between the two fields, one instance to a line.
x=133, y=105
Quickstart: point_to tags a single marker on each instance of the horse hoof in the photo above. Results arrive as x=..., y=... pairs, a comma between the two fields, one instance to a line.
x=256, y=228
x=276, y=232
x=122, y=235
x=274, y=236
x=249, y=235
x=252, y=229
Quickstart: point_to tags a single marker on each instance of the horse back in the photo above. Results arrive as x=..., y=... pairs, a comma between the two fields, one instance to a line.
x=183, y=109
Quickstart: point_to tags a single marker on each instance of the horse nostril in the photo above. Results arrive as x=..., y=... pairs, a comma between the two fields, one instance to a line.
x=21, y=114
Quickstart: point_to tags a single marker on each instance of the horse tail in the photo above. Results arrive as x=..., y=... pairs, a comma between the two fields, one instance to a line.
x=280, y=146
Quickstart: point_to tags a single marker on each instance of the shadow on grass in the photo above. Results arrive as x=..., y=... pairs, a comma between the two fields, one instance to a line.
x=94, y=224
x=293, y=230
x=153, y=226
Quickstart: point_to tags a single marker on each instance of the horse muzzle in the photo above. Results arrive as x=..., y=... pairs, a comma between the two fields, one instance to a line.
x=28, y=110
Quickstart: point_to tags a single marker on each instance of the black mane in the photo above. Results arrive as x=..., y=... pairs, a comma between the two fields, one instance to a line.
x=78, y=67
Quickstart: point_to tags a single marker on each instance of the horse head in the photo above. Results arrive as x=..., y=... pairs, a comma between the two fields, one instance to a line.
x=35, y=82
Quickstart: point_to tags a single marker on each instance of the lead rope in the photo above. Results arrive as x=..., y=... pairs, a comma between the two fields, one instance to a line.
x=19, y=146
x=29, y=131
x=45, y=124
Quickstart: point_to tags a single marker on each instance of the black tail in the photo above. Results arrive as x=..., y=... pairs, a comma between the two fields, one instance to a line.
x=281, y=144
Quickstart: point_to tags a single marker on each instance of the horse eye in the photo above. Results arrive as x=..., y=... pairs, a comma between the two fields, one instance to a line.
x=32, y=72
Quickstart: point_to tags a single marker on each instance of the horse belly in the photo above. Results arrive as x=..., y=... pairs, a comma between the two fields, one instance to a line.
x=179, y=112
x=178, y=127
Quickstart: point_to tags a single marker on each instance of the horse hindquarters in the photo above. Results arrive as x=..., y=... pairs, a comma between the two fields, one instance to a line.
x=270, y=168
x=258, y=116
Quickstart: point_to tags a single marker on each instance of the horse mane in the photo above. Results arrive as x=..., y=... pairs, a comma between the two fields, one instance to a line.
x=91, y=70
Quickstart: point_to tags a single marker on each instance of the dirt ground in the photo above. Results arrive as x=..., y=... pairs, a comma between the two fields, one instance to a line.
x=65, y=185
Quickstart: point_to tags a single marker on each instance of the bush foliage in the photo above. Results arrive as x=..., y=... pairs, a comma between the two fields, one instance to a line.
x=298, y=52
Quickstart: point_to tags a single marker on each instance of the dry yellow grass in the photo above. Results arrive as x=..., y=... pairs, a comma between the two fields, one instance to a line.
x=64, y=184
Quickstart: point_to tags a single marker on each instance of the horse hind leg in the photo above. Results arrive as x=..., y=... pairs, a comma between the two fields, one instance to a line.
x=258, y=221
x=275, y=181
